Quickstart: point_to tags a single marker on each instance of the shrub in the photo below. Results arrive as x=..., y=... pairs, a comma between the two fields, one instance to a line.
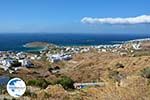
x=113, y=74
x=146, y=72
x=5, y=99
x=119, y=65
x=3, y=89
x=116, y=76
x=56, y=67
x=16, y=64
x=39, y=83
x=66, y=82
x=13, y=98
x=30, y=94
x=50, y=69
x=46, y=95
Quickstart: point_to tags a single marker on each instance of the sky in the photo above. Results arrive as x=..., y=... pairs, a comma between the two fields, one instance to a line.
x=75, y=16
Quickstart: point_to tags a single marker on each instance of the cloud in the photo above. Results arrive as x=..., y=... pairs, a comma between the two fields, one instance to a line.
x=143, y=19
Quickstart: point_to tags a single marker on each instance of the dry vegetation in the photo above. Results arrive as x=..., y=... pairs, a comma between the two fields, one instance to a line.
x=126, y=78
x=122, y=83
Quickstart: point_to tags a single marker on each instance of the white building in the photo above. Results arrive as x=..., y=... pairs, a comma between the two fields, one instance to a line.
x=136, y=46
x=25, y=62
x=84, y=50
x=58, y=57
x=21, y=55
x=55, y=58
x=84, y=85
x=6, y=63
x=103, y=50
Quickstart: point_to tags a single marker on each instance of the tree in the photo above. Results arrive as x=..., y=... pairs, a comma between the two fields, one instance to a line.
x=66, y=82
x=38, y=82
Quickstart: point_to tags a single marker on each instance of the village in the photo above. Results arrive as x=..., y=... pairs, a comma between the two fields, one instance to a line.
x=12, y=61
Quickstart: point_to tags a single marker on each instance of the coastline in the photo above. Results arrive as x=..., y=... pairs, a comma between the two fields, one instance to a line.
x=112, y=44
x=25, y=48
x=34, y=49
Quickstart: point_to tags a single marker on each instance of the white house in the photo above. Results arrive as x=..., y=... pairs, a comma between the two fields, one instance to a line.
x=55, y=58
x=25, y=62
x=58, y=57
x=136, y=46
x=6, y=63
x=21, y=55
x=103, y=50
x=66, y=57
x=84, y=50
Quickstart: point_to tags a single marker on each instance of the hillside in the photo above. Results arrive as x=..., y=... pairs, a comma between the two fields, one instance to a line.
x=122, y=76
x=125, y=77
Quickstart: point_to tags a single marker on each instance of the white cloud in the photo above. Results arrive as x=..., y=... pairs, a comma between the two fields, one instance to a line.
x=143, y=19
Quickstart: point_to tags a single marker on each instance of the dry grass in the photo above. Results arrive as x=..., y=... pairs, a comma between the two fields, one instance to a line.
x=93, y=66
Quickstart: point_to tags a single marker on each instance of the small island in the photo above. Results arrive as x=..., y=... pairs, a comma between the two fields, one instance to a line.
x=38, y=45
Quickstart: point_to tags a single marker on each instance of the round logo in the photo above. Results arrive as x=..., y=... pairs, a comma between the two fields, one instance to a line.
x=16, y=87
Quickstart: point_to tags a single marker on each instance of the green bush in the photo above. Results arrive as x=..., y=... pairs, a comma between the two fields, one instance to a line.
x=39, y=83
x=146, y=72
x=3, y=89
x=66, y=82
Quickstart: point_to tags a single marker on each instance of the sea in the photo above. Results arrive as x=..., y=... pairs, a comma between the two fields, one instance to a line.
x=16, y=41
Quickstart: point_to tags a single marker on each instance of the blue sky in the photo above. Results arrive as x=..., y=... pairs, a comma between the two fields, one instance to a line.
x=64, y=16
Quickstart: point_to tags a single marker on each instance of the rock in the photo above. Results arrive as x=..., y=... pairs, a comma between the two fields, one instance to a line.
x=133, y=81
x=55, y=92
x=33, y=89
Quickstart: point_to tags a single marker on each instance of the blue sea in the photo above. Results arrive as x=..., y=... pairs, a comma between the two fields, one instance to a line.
x=15, y=41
